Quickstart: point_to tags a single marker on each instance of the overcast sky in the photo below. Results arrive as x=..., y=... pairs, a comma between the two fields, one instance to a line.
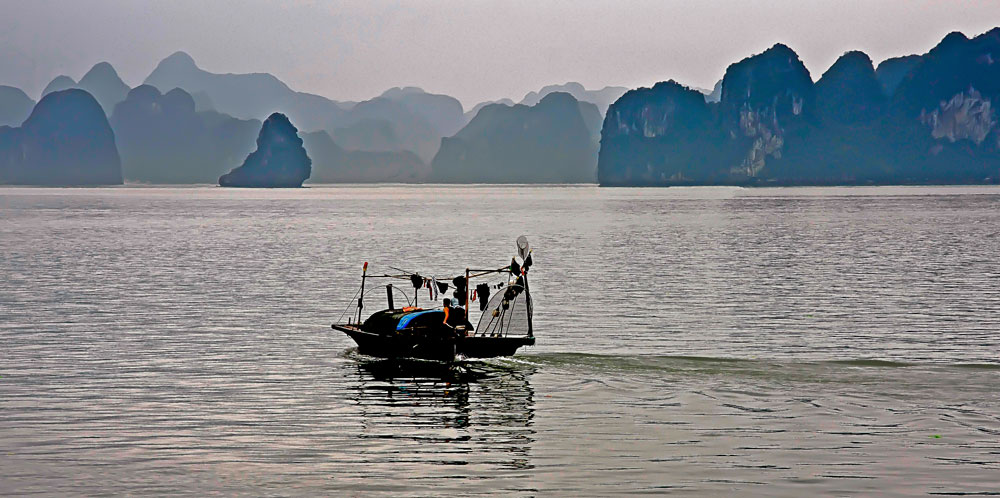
x=473, y=50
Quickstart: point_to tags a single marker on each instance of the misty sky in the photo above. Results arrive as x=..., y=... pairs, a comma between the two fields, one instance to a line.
x=473, y=50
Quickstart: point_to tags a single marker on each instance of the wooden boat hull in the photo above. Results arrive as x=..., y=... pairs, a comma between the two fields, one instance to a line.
x=441, y=349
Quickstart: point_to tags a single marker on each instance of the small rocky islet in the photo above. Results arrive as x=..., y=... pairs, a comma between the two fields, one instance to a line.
x=279, y=161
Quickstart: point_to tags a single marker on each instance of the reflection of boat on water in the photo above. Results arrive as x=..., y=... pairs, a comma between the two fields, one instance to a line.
x=444, y=333
x=451, y=372
x=477, y=414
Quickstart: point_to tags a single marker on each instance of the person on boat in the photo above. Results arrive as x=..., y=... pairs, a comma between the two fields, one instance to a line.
x=455, y=316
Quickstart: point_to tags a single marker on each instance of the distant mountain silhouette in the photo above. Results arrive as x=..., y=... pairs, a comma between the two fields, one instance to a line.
x=103, y=83
x=369, y=135
x=162, y=139
x=774, y=126
x=369, y=122
x=246, y=96
x=333, y=164
x=593, y=119
x=65, y=141
x=279, y=161
x=58, y=84
x=545, y=143
x=716, y=94
x=602, y=98
x=475, y=109
x=444, y=113
x=15, y=106
x=405, y=118
x=202, y=102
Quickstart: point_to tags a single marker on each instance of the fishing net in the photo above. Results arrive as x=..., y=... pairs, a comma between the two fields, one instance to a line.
x=506, y=313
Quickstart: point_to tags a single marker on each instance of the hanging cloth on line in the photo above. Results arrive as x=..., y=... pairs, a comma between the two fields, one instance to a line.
x=483, y=291
x=460, y=288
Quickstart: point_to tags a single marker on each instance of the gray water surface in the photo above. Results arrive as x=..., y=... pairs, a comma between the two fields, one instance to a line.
x=698, y=341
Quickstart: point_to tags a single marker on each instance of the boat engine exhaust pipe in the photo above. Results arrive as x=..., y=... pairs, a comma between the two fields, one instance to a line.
x=388, y=295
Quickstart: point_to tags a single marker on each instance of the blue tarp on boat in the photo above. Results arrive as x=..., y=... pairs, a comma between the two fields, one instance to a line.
x=405, y=321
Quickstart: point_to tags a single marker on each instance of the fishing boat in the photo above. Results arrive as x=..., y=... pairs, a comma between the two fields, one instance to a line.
x=444, y=333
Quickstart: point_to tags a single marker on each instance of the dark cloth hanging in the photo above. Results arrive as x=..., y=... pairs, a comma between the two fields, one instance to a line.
x=442, y=287
x=483, y=293
x=527, y=262
x=417, y=281
x=514, y=267
x=460, y=289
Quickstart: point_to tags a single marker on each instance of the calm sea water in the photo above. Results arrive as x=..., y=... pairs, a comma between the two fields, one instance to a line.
x=697, y=341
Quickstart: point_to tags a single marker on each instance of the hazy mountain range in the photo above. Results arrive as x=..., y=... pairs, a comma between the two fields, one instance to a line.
x=602, y=98
x=188, y=125
x=913, y=119
x=550, y=142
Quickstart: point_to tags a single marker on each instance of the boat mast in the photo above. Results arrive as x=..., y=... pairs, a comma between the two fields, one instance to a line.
x=527, y=302
x=361, y=298
x=466, y=293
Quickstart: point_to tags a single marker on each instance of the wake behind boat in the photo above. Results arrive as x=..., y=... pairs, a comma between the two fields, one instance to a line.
x=444, y=332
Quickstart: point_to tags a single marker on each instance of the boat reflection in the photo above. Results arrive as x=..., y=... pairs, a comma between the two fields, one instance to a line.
x=470, y=413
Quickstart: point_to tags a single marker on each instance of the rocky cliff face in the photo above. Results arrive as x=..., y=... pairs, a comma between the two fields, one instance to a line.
x=65, y=141
x=279, y=161
x=549, y=142
x=890, y=72
x=944, y=112
x=664, y=134
x=773, y=126
x=966, y=116
x=162, y=139
x=849, y=91
x=765, y=102
x=670, y=134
